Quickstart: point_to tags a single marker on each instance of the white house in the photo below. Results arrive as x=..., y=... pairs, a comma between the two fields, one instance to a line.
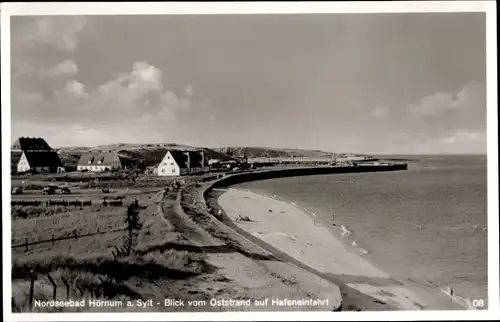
x=99, y=161
x=34, y=154
x=46, y=161
x=179, y=163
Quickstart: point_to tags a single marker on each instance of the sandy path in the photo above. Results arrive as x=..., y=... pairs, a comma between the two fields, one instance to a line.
x=291, y=231
x=245, y=271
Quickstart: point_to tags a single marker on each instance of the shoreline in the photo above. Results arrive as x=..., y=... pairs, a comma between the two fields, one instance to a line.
x=352, y=245
x=383, y=289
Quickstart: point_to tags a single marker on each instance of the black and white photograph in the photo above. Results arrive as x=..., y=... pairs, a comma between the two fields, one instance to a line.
x=262, y=164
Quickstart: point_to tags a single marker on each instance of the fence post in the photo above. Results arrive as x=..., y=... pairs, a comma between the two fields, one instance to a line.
x=33, y=278
x=53, y=285
x=79, y=288
x=76, y=236
x=26, y=244
x=67, y=286
x=53, y=239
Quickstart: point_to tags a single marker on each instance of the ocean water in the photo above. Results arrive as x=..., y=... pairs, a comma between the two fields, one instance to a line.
x=425, y=223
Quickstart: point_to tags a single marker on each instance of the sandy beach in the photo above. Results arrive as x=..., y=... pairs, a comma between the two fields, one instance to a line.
x=292, y=231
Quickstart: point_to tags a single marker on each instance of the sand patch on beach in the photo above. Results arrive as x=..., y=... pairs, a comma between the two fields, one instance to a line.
x=290, y=230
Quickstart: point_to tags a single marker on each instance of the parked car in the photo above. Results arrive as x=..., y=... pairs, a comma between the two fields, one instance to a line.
x=17, y=191
x=65, y=191
x=49, y=191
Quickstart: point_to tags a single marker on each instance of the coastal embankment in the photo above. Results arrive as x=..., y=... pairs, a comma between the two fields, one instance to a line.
x=295, y=236
x=303, y=171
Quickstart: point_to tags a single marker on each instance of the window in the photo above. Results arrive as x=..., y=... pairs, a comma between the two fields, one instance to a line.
x=162, y=170
x=99, y=162
x=168, y=156
x=173, y=170
x=171, y=163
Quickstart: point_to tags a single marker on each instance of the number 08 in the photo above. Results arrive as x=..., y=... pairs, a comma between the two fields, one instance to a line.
x=478, y=303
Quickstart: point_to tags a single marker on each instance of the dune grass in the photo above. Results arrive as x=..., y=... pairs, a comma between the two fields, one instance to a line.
x=109, y=278
x=83, y=220
x=88, y=261
x=48, y=221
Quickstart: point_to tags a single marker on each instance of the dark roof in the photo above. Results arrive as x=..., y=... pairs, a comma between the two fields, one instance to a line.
x=106, y=158
x=196, y=159
x=43, y=159
x=27, y=144
x=180, y=157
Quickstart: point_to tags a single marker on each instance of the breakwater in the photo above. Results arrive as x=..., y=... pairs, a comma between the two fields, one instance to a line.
x=232, y=179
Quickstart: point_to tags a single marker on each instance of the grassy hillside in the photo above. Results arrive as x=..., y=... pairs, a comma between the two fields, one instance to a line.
x=150, y=154
x=258, y=152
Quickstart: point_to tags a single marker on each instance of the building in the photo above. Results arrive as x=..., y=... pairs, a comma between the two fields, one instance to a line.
x=46, y=161
x=30, y=144
x=99, y=161
x=34, y=155
x=178, y=163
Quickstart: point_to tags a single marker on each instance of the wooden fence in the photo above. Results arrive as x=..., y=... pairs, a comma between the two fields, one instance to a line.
x=95, y=291
x=74, y=235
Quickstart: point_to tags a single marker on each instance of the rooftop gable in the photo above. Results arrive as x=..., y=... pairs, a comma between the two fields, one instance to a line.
x=43, y=159
x=180, y=158
x=31, y=144
x=105, y=158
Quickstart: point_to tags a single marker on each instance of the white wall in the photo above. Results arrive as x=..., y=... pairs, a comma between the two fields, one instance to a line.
x=168, y=166
x=23, y=165
x=95, y=168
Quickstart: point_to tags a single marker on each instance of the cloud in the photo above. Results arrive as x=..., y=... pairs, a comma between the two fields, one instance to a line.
x=76, y=88
x=144, y=78
x=62, y=134
x=36, y=40
x=447, y=122
x=471, y=96
x=380, y=111
x=465, y=136
x=59, y=31
x=66, y=67
x=188, y=91
x=134, y=101
x=433, y=104
x=172, y=101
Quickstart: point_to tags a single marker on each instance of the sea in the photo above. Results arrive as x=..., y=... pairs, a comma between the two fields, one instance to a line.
x=427, y=224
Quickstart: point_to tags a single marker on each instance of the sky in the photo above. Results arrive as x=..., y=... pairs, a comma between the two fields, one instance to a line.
x=364, y=83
